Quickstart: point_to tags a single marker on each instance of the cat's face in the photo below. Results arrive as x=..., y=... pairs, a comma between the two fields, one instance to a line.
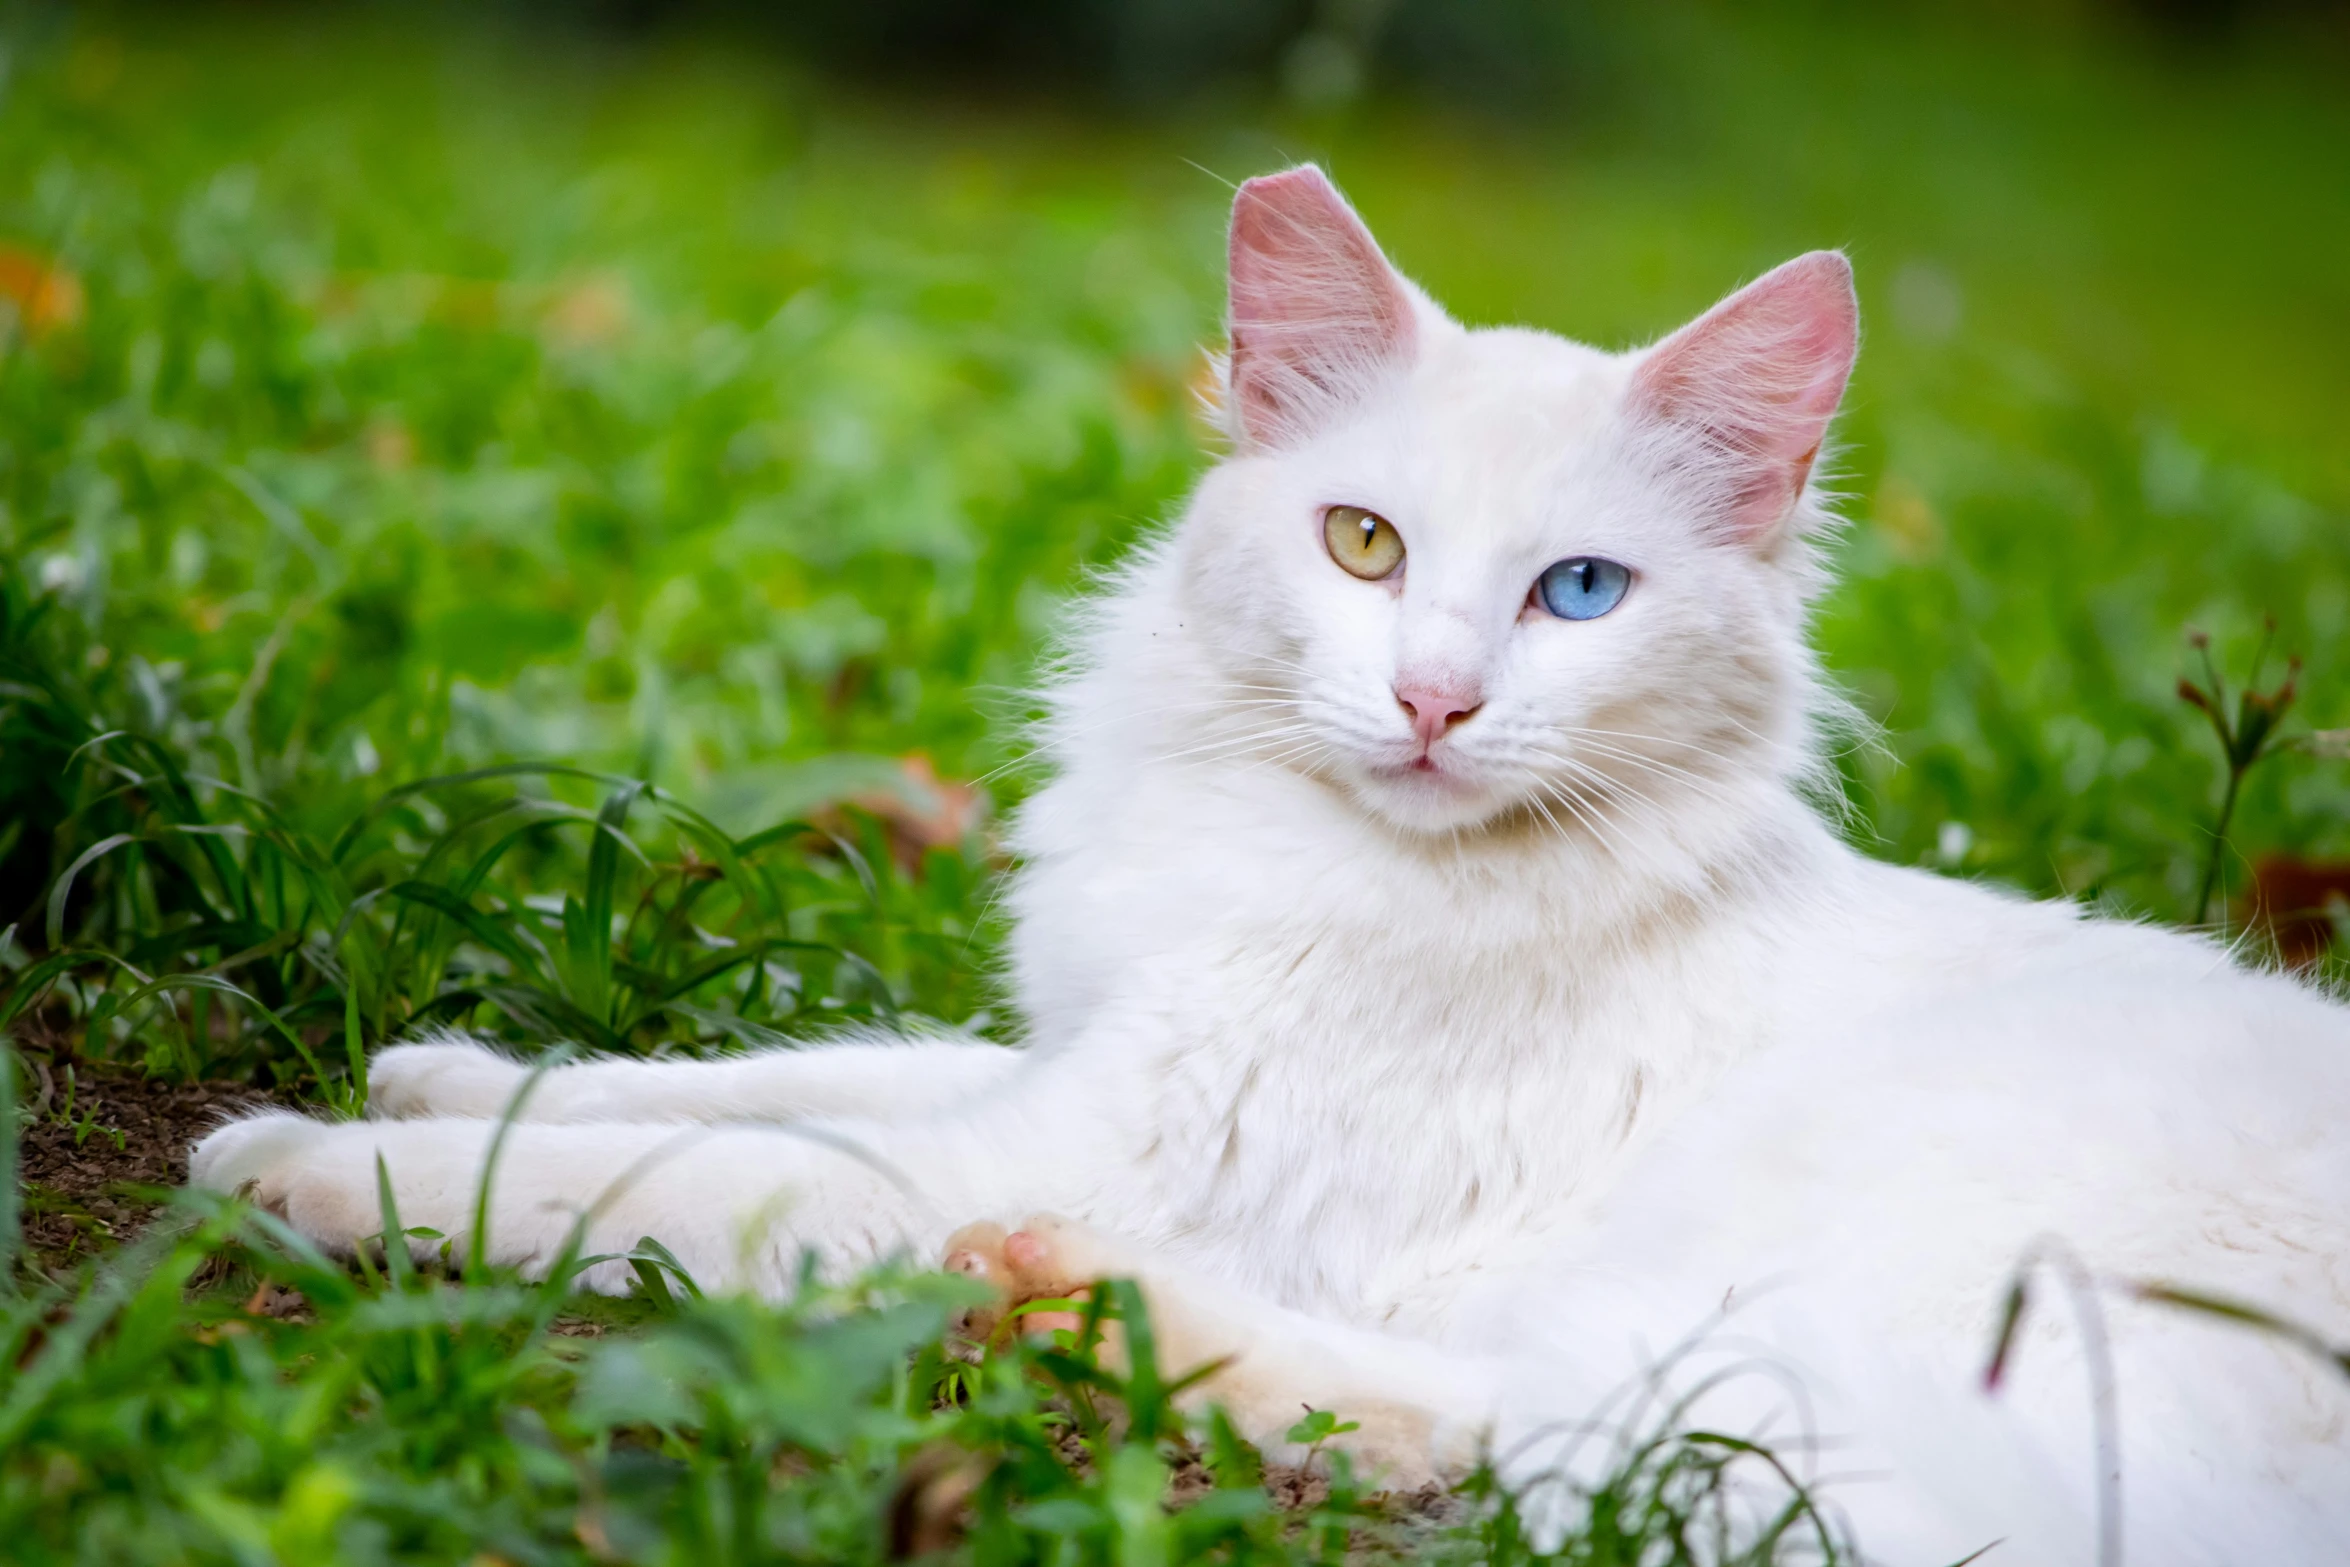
x=1370, y=566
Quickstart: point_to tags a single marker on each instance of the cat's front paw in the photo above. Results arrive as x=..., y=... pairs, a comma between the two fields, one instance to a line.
x=447, y=1077
x=259, y=1157
x=321, y=1177
x=1046, y=1258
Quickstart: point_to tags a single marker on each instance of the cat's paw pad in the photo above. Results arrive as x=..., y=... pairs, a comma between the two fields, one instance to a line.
x=440, y=1077
x=1047, y=1258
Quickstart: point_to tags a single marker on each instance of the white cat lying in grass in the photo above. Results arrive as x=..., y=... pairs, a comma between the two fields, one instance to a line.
x=1442, y=997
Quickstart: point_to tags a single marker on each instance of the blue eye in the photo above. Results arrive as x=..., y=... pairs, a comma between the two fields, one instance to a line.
x=1584, y=588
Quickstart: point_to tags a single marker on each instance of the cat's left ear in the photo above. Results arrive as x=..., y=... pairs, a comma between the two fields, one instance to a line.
x=1746, y=390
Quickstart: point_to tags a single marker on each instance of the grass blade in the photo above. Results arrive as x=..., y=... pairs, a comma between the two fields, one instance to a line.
x=399, y=1266
x=590, y=936
x=30, y=984
x=477, y=1248
x=2253, y=1317
x=11, y=1195
x=63, y=888
x=477, y=924
x=171, y=982
x=354, y=1052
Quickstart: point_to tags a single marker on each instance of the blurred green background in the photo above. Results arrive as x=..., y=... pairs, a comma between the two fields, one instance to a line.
x=735, y=399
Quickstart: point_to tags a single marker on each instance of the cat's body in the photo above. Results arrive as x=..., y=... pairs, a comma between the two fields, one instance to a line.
x=1445, y=1067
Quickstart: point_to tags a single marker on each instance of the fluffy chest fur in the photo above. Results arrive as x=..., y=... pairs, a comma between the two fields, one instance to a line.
x=1354, y=1067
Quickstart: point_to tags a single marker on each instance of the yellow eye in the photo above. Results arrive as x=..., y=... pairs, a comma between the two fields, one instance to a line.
x=1363, y=542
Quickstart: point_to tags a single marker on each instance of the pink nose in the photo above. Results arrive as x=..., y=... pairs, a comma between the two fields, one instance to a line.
x=1433, y=710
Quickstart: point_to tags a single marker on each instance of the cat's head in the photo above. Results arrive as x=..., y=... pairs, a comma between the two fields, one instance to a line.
x=1468, y=575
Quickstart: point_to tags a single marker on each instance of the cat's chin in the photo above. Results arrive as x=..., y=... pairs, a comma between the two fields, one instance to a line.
x=1427, y=800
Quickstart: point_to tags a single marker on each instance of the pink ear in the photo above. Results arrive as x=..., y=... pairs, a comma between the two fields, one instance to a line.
x=1316, y=312
x=1752, y=384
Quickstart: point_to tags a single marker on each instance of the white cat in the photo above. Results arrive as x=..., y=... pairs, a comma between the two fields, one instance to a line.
x=1442, y=997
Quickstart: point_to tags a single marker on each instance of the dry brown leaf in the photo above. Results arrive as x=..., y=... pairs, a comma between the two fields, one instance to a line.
x=48, y=298
x=390, y=445
x=590, y=312
x=924, y=811
x=2297, y=901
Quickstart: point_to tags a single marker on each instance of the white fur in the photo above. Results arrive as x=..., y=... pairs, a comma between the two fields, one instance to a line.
x=1468, y=1092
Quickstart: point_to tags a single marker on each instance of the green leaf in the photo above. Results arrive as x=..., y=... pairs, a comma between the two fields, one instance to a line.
x=171, y=982
x=651, y=1251
x=476, y=924
x=1320, y=1425
x=29, y=985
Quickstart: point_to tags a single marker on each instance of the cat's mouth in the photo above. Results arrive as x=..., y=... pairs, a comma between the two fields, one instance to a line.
x=1427, y=792
x=1429, y=768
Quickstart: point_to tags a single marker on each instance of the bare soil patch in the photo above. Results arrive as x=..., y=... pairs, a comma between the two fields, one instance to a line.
x=102, y=1144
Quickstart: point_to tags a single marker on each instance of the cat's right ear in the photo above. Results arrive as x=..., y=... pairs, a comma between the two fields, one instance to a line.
x=1748, y=388
x=1316, y=314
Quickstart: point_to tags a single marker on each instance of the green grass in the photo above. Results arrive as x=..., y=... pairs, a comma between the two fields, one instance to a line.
x=486, y=508
x=467, y=1416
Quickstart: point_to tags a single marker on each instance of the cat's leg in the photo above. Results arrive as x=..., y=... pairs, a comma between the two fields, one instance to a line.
x=737, y=1205
x=1421, y=1412
x=881, y=1079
